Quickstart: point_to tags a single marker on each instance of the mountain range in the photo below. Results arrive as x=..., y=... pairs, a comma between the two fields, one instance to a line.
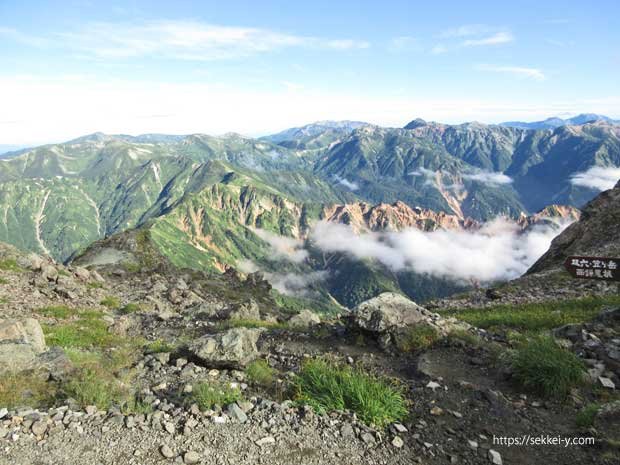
x=231, y=201
x=556, y=122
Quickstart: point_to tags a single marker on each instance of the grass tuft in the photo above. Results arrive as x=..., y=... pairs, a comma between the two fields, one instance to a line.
x=207, y=395
x=585, y=418
x=111, y=302
x=327, y=386
x=131, y=308
x=244, y=323
x=10, y=264
x=57, y=311
x=26, y=389
x=541, y=365
x=417, y=337
x=535, y=317
x=89, y=387
x=158, y=346
x=259, y=372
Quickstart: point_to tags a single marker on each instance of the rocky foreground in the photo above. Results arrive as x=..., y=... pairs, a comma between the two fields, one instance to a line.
x=162, y=336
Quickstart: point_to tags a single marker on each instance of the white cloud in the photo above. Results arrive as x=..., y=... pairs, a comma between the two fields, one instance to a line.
x=519, y=71
x=489, y=177
x=286, y=283
x=494, y=39
x=294, y=283
x=187, y=40
x=499, y=250
x=439, y=49
x=288, y=248
x=466, y=30
x=351, y=185
x=597, y=177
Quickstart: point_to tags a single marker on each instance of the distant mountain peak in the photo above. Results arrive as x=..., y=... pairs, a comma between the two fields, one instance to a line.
x=555, y=121
x=416, y=123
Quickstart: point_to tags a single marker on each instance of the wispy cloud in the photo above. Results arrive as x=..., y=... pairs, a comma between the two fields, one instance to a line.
x=489, y=177
x=351, y=185
x=466, y=30
x=519, y=71
x=25, y=39
x=471, y=35
x=494, y=39
x=597, y=177
x=282, y=247
x=177, y=39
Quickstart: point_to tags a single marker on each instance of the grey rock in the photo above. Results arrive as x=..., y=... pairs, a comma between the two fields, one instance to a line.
x=606, y=382
x=266, y=441
x=304, y=319
x=397, y=442
x=39, y=428
x=191, y=457
x=246, y=311
x=20, y=343
x=234, y=348
x=166, y=451
x=234, y=411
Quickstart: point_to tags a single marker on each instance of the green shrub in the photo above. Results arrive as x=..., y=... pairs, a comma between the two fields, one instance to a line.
x=94, y=285
x=417, y=337
x=540, y=364
x=207, y=395
x=259, y=372
x=3, y=281
x=111, y=302
x=327, y=386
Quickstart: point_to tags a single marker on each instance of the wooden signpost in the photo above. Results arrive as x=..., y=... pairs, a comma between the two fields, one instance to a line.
x=603, y=268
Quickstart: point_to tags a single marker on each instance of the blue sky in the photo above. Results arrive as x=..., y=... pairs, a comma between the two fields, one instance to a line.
x=70, y=68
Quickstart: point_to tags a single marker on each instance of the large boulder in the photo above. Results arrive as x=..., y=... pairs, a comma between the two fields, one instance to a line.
x=304, y=319
x=21, y=341
x=246, y=311
x=389, y=315
x=234, y=348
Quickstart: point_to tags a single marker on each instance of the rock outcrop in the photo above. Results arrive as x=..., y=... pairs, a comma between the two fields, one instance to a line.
x=388, y=314
x=21, y=341
x=596, y=233
x=304, y=319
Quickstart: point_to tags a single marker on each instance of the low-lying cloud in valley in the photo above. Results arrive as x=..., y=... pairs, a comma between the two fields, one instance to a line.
x=597, y=177
x=290, y=283
x=351, y=185
x=489, y=177
x=498, y=250
x=284, y=247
